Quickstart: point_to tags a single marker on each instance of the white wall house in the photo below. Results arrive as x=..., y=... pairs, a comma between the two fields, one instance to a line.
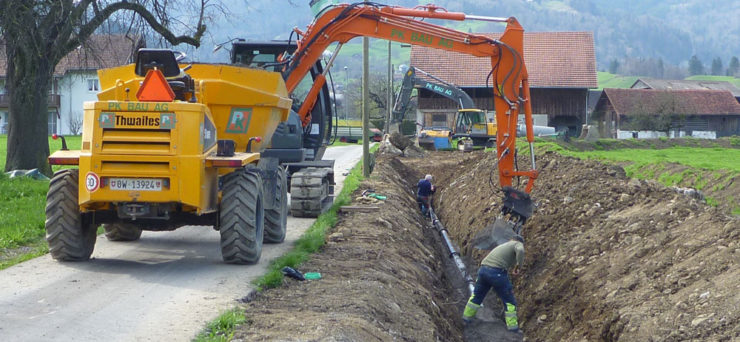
x=75, y=80
x=75, y=88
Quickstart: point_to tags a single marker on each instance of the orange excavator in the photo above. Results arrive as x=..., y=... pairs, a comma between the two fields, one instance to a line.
x=343, y=22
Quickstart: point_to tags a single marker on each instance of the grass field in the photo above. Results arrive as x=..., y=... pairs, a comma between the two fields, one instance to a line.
x=22, y=202
x=607, y=80
x=733, y=80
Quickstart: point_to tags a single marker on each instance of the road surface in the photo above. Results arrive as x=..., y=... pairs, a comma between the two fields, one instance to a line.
x=164, y=287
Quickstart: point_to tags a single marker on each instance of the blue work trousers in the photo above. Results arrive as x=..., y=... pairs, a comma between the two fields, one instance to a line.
x=496, y=278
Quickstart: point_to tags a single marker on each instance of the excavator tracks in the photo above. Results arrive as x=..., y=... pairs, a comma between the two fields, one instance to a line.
x=310, y=192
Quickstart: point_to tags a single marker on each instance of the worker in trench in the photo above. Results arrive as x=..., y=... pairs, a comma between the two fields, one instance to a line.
x=424, y=191
x=493, y=273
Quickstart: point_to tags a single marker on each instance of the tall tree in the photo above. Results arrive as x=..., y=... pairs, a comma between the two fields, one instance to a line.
x=38, y=33
x=734, y=68
x=613, y=66
x=717, y=66
x=695, y=66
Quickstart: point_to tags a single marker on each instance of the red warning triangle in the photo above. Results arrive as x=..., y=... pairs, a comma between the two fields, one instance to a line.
x=155, y=88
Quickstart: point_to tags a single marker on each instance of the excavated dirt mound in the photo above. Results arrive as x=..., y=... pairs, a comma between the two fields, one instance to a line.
x=383, y=279
x=608, y=258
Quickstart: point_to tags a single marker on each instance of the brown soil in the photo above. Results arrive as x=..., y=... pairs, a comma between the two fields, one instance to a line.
x=608, y=259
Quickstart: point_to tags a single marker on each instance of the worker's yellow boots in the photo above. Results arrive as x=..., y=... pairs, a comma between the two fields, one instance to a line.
x=510, y=317
x=470, y=310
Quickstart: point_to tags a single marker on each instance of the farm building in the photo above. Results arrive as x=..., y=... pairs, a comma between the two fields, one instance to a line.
x=697, y=113
x=659, y=84
x=561, y=67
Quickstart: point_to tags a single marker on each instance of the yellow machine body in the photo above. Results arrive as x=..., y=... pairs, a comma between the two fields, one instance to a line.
x=168, y=149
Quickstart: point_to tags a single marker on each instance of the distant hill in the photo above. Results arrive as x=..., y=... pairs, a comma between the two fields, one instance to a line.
x=672, y=30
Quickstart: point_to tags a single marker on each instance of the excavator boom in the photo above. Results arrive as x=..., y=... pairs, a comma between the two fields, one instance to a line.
x=341, y=23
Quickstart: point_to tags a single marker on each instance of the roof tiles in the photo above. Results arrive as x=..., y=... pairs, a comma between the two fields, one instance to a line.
x=553, y=59
x=689, y=102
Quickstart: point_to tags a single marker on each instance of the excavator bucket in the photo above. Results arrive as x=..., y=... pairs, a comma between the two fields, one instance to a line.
x=465, y=145
x=500, y=231
x=518, y=207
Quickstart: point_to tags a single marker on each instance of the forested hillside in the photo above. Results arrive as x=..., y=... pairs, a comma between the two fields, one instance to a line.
x=668, y=30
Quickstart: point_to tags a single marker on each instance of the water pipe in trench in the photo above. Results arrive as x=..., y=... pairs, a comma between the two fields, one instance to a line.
x=454, y=254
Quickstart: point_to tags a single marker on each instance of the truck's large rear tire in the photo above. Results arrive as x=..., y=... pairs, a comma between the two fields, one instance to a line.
x=70, y=236
x=242, y=217
x=122, y=231
x=276, y=219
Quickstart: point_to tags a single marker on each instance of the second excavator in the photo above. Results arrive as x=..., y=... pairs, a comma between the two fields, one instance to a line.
x=470, y=124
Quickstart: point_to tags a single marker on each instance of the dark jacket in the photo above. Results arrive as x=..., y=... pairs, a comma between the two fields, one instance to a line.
x=425, y=188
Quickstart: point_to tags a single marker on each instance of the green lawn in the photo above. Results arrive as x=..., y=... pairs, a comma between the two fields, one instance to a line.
x=22, y=203
x=73, y=143
x=607, y=80
x=733, y=80
x=703, y=158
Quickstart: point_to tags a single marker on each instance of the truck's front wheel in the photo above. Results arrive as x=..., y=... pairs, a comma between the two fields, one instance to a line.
x=70, y=236
x=242, y=217
x=276, y=219
x=122, y=231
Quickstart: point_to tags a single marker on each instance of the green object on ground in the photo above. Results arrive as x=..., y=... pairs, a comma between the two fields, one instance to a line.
x=380, y=197
x=312, y=275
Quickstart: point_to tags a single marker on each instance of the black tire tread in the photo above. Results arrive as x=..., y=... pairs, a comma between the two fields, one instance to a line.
x=276, y=219
x=122, y=231
x=240, y=222
x=69, y=238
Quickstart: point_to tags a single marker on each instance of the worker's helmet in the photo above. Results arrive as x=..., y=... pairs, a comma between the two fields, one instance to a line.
x=428, y=177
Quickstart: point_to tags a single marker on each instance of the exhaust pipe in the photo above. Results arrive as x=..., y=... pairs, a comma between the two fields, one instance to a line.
x=454, y=254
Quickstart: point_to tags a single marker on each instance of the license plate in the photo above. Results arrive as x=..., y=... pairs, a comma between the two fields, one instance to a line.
x=141, y=184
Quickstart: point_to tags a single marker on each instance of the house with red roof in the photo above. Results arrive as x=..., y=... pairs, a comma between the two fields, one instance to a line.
x=561, y=67
x=702, y=113
x=75, y=79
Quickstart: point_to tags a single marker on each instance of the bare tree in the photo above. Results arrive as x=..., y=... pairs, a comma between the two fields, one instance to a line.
x=37, y=34
x=74, y=123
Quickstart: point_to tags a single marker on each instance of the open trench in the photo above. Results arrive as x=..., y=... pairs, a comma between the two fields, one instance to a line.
x=608, y=259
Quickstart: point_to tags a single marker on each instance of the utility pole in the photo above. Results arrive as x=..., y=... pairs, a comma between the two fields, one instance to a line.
x=390, y=91
x=365, y=108
x=346, y=98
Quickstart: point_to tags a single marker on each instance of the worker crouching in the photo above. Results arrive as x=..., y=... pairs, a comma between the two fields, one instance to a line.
x=425, y=189
x=493, y=273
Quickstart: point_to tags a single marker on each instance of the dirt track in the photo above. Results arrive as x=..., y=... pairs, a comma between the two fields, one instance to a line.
x=608, y=259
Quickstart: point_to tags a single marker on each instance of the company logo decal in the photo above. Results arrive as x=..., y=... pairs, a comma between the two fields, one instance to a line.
x=239, y=120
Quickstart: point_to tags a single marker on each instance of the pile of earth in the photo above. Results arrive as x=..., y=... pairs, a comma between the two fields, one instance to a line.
x=608, y=258
x=383, y=278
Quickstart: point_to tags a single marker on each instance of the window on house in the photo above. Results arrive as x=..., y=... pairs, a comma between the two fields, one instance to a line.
x=53, y=120
x=439, y=120
x=93, y=85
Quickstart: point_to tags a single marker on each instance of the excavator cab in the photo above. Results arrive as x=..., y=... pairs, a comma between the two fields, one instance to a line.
x=472, y=124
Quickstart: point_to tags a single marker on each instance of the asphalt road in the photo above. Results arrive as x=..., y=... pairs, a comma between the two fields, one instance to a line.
x=164, y=287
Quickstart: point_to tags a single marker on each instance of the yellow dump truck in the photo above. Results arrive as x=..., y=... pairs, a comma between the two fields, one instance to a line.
x=164, y=147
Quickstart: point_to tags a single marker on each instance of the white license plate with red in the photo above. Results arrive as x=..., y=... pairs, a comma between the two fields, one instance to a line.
x=138, y=184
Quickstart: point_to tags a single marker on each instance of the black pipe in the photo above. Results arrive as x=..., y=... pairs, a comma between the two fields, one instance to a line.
x=454, y=254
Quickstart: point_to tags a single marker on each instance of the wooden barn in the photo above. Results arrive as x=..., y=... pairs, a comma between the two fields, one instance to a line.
x=561, y=66
x=698, y=113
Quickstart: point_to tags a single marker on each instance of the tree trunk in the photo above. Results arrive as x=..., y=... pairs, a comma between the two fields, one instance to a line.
x=28, y=83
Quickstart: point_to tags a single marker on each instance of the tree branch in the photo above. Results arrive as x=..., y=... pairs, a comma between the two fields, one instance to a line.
x=103, y=14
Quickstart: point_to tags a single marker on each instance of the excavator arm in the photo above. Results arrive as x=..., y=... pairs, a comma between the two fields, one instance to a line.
x=411, y=81
x=341, y=23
